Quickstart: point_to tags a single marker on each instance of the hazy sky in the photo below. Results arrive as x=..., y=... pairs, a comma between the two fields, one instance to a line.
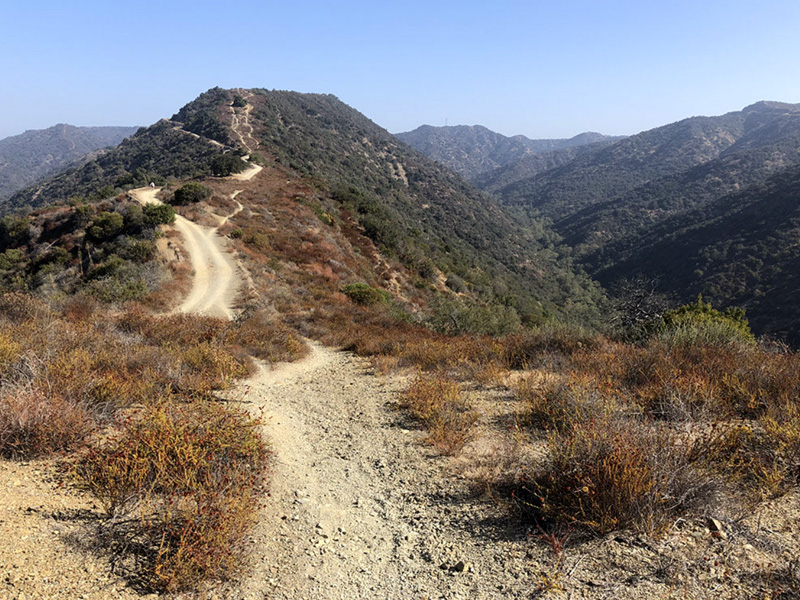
x=543, y=69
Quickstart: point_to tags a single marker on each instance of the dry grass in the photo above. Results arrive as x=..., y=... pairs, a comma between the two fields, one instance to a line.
x=605, y=474
x=438, y=403
x=179, y=475
x=180, y=483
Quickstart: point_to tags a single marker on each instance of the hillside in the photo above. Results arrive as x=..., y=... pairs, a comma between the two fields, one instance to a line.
x=417, y=216
x=401, y=461
x=615, y=203
x=741, y=250
x=473, y=151
x=33, y=155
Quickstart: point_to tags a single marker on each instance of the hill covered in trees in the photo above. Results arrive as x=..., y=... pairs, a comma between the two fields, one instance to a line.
x=35, y=154
x=693, y=203
x=454, y=239
x=473, y=151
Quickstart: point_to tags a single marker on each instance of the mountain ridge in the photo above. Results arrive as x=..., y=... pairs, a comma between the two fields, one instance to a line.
x=415, y=213
x=474, y=150
x=37, y=153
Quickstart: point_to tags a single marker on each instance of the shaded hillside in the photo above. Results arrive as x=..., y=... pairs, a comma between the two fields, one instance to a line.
x=659, y=172
x=663, y=202
x=416, y=209
x=742, y=249
x=472, y=151
x=33, y=155
x=452, y=239
x=532, y=164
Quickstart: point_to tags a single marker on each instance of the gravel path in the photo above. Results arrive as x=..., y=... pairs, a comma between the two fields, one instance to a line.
x=359, y=507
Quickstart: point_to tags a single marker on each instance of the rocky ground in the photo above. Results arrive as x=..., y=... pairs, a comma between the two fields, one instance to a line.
x=360, y=507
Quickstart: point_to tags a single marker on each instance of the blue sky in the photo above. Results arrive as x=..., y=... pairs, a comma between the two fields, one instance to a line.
x=543, y=69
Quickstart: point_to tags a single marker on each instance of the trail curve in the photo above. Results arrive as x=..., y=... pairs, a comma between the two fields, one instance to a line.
x=215, y=283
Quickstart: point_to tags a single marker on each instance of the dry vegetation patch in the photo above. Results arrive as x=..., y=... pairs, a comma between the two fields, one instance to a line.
x=127, y=398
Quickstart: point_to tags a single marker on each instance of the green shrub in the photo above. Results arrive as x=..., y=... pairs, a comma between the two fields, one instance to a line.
x=700, y=324
x=158, y=214
x=454, y=316
x=14, y=231
x=105, y=226
x=363, y=294
x=191, y=192
x=227, y=164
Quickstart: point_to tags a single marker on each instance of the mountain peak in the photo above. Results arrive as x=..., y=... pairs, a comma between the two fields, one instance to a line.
x=771, y=106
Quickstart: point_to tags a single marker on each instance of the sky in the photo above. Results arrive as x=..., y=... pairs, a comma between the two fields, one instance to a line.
x=541, y=69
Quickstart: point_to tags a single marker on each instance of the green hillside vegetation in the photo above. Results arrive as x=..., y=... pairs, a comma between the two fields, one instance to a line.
x=105, y=250
x=414, y=210
x=418, y=211
x=740, y=250
x=671, y=203
x=159, y=153
x=33, y=155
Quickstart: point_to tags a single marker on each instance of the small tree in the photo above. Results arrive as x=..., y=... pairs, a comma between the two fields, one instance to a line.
x=158, y=214
x=191, y=192
x=227, y=164
x=105, y=226
x=14, y=231
x=639, y=306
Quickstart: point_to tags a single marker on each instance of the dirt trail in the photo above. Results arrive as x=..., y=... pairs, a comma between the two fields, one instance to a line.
x=248, y=174
x=359, y=508
x=237, y=123
x=215, y=283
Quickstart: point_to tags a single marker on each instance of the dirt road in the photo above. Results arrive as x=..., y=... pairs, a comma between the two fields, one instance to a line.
x=215, y=282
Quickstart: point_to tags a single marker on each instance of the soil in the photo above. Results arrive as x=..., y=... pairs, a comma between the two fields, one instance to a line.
x=361, y=507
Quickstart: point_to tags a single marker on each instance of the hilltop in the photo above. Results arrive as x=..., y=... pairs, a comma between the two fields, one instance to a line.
x=35, y=154
x=443, y=236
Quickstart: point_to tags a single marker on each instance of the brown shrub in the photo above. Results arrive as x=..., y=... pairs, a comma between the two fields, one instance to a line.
x=561, y=403
x=183, y=481
x=607, y=474
x=33, y=424
x=527, y=350
x=208, y=367
x=437, y=402
x=268, y=338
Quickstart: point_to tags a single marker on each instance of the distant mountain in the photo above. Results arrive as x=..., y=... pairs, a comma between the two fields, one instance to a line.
x=531, y=165
x=418, y=215
x=472, y=151
x=698, y=203
x=35, y=154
